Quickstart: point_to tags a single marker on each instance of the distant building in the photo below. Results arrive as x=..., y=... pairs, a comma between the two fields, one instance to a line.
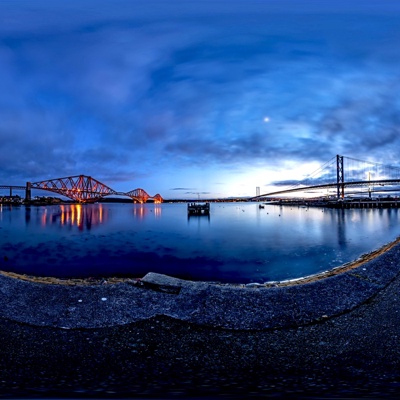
x=11, y=199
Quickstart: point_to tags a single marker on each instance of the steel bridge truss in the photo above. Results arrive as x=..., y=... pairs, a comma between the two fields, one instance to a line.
x=85, y=189
x=138, y=194
x=81, y=188
x=157, y=198
x=142, y=196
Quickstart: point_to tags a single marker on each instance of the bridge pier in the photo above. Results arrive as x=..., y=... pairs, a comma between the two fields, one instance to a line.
x=28, y=192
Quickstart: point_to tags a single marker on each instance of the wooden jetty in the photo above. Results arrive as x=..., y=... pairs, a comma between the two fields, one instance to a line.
x=198, y=208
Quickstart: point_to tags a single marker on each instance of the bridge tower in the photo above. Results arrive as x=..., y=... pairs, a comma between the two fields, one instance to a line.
x=28, y=192
x=339, y=177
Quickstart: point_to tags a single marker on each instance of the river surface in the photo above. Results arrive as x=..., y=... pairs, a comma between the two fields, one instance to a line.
x=237, y=243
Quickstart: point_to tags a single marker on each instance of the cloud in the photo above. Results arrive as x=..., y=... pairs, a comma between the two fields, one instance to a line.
x=126, y=91
x=324, y=179
x=197, y=193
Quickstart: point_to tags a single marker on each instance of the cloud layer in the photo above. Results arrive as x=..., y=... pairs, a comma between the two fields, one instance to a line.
x=169, y=95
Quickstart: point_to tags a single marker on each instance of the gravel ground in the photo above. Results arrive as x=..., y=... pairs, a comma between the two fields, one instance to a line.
x=354, y=353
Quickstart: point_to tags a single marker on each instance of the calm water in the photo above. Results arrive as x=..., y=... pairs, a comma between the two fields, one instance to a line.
x=238, y=243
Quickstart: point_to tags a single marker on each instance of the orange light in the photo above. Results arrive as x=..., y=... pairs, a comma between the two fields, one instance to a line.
x=100, y=213
x=78, y=214
x=157, y=211
x=44, y=215
x=62, y=220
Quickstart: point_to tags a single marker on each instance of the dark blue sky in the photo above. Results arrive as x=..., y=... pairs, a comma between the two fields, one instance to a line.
x=185, y=97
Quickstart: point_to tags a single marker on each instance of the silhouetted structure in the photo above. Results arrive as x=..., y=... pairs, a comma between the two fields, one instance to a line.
x=199, y=209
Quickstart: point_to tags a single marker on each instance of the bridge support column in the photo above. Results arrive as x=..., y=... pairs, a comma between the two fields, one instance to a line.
x=28, y=192
x=340, y=177
x=10, y=191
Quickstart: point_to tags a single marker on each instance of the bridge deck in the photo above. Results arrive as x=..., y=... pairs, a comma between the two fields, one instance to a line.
x=369, y=183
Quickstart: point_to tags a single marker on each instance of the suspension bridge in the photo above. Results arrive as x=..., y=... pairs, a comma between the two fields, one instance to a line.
x=342, y=176
x=81, y=188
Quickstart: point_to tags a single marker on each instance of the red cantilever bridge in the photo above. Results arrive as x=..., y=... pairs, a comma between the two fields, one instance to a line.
x=84, y=189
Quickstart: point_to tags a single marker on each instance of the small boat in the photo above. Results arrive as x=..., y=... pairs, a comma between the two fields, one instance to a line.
x=260, y=206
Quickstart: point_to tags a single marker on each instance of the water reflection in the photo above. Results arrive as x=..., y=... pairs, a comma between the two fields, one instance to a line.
x=240, y=243
x=84, y=217
x=141, y=211
x=27, y=215
x=341, y=228
x=157, y=210
x=198, y=218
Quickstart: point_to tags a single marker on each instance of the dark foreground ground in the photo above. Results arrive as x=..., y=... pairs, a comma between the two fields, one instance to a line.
x=356, y=354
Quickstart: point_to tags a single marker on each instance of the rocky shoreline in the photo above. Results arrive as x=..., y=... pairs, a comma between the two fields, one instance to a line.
x=225, y=306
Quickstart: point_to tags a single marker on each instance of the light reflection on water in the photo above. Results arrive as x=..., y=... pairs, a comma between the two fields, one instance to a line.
x=77, y=215
x=238, y=242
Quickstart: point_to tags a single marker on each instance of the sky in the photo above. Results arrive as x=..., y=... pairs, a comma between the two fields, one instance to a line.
x=198, y=99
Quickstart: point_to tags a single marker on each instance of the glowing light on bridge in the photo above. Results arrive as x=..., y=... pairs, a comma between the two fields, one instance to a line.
x=81, y=188
x=138, y=195
x=158, y=199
